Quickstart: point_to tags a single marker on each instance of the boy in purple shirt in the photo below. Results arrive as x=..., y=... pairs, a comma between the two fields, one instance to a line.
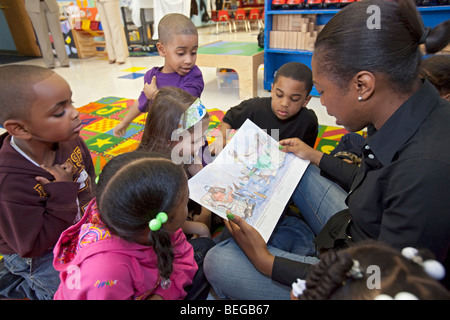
x=178, y=44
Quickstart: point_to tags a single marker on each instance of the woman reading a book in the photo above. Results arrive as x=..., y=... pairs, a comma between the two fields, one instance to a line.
x=365, y=67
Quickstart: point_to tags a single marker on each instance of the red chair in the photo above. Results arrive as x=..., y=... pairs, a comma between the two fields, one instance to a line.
x=241, y=17
x=223, y=17
x=255, y=17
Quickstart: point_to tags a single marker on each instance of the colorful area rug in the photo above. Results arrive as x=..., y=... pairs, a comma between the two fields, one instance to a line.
x=100, y=117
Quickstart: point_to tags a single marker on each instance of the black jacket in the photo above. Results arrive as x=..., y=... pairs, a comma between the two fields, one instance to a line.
x=401, y=193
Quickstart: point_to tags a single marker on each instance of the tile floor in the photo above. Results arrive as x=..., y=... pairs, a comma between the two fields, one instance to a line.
x=94, y=78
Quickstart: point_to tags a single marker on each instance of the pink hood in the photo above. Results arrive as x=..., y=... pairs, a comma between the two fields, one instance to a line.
x=94, y=264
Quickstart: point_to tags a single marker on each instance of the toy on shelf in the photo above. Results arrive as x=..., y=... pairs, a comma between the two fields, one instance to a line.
x=279, y=4
x=288, y=4
x=295, y=4
x=314, y=3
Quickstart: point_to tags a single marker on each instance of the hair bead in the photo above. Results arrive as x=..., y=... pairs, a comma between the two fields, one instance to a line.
x=155, y=224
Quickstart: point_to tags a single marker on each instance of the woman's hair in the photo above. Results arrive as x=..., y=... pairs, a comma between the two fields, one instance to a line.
x=133, y=188
x=163, y=119
x=296, y=71
x=331, y=278
x=436, y=69
x=379, y=36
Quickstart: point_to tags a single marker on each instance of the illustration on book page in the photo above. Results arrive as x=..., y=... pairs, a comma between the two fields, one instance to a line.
x=250, y=178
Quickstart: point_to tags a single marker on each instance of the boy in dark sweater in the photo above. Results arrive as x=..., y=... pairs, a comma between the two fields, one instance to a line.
x=284, y=114
x=46, y=175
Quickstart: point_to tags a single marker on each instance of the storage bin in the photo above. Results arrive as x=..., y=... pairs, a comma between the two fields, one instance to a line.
x=77, y=25
x=227, y=79
x=95, y=25
x=86, y=25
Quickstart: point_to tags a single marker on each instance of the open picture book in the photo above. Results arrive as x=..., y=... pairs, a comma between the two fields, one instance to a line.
x=251, y=178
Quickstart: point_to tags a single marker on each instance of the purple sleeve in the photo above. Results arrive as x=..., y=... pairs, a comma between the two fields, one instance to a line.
x=193, y=82
x=142, y=102
x=142, y=97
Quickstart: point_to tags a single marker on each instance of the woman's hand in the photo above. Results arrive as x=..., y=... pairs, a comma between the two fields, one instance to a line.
x=301, y=150
x=251, y=243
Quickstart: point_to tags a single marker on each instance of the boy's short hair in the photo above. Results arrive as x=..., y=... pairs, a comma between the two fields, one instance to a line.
x=173, y=24
x=16, y=92
x=296, y=71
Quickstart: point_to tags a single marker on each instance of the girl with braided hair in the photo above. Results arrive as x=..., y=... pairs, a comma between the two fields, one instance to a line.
x=129, y=244
x=372, y=270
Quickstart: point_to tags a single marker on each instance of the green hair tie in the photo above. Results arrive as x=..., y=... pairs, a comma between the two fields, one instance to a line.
x=155, y=224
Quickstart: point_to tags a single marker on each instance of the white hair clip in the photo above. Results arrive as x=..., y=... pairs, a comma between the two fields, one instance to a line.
x=355, y=272
x=432, y=267
x=298, y=287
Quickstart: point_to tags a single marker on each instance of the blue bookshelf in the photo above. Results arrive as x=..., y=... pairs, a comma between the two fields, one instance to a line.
x=275, y=58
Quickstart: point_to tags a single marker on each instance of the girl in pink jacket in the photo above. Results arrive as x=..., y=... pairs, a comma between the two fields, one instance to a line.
x=129, y=244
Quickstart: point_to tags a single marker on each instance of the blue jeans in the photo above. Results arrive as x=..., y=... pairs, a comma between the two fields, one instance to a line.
x=32, y=278
x=233, y=276
x=200, y=287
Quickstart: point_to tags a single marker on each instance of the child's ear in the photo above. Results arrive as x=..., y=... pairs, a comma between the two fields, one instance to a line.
x=447, y=97
x=161, y=49
x=307, y=100
x=17, y=129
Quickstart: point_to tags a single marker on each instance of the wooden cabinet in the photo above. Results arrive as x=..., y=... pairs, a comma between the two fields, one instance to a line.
x=88, y=38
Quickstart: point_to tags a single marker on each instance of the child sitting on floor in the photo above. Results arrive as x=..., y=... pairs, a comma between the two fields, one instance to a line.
x=283, y=115
x=178, y=44
x=176, y=115
x=129, y=244
x=46, y=175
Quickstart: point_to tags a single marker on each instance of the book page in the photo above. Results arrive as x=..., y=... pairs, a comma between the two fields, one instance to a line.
x=250, y=178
